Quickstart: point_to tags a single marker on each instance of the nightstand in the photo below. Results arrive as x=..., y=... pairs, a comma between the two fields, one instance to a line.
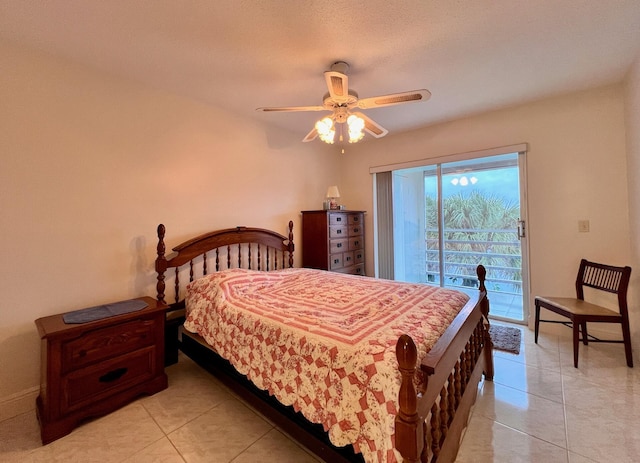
x=91, y=369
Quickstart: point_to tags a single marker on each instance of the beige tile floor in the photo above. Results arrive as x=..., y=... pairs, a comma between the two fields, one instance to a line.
x=538, y=409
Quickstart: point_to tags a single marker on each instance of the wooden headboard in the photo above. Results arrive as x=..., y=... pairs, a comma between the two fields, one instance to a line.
x=240, y=247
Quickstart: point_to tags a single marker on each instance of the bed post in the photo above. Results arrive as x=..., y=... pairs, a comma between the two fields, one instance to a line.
x=161, y=264
x=488, y=349
x=290, y=244
x=409, y=426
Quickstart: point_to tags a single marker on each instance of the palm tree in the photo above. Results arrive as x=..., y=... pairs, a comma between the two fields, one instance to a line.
x=475, y=225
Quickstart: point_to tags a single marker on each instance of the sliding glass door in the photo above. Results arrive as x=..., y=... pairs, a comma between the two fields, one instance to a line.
x=448, y=217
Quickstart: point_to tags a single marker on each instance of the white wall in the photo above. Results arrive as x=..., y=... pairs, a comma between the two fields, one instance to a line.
x=89, y=166
x=576, y=170
x=632, y=119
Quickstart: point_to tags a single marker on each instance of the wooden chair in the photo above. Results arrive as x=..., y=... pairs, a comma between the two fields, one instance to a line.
x=601, y=277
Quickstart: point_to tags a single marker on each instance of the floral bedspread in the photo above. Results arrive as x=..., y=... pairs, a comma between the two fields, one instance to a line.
x=322, y=342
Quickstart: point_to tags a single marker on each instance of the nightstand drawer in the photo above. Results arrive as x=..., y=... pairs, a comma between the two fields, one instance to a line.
x=99, y=381
x=109, y=342
x=336, y=246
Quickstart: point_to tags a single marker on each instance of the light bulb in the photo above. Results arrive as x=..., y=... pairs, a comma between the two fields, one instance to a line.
x=356, y=127
x=325, y=129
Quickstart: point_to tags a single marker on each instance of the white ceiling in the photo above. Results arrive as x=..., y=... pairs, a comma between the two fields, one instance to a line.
x=473, y=56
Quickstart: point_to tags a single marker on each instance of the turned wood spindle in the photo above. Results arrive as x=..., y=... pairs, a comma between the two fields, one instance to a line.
x=177, y=285
x=259, y=258
x=457, y=381
x=435, y=432
x=161, y=263
x=290, y=245
x=444, y=413
x=451, y=395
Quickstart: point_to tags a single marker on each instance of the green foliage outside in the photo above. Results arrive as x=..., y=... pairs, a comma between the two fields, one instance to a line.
x=478, y=229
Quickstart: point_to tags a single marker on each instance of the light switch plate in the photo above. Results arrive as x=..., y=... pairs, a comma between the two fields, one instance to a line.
x=583, y=226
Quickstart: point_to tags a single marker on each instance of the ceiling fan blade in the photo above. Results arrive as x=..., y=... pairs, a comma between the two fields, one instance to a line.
x=293, y=108
x=372, y=127
x=311, y=135
x=338, y=84
x=413, y=96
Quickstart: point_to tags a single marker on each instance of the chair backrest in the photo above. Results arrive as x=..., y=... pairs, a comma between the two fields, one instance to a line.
x=605, y=278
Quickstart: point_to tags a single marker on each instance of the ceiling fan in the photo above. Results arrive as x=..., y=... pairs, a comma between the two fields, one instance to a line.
x=341, y=102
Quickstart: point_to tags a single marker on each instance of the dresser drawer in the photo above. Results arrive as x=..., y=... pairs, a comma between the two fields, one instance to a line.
x=355, y=230
x=355, y=243
x=98, y=381
x=358, y=256
x=336, y=246
x=335, y=261
x=109, y=342
x=355, y=219
x=353, y=269
x=358, y=269
x=338, y=232
x=338, y=218
x=347, y=259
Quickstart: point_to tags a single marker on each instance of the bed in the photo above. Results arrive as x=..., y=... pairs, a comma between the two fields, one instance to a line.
x=374, y=386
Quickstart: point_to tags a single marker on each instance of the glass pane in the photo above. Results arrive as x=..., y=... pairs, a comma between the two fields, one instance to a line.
x=448, y=218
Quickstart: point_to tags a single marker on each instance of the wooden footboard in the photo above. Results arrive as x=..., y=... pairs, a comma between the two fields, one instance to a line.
x=431, y=420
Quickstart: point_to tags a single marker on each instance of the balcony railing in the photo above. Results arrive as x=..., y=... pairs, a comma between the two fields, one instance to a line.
x=497, y=249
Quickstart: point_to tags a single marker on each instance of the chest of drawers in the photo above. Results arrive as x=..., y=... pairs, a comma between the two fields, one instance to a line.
x=93, y=368
x=333, y=240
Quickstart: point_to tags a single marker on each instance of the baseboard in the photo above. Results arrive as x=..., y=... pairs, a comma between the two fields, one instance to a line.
x=19, y=403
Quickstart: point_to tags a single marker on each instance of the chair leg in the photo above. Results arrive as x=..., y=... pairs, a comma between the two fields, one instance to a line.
x=576, y=343
x=537, y=323
x=626, y=336
x=585, y=336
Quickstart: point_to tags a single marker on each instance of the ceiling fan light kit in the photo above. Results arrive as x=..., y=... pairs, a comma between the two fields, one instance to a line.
x=340, y=101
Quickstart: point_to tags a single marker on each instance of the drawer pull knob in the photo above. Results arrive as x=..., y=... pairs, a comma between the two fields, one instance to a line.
x=113, y=375
x=339, y=245
x=339, y=219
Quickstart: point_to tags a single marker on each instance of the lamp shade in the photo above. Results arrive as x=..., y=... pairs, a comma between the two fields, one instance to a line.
x=332, y=192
